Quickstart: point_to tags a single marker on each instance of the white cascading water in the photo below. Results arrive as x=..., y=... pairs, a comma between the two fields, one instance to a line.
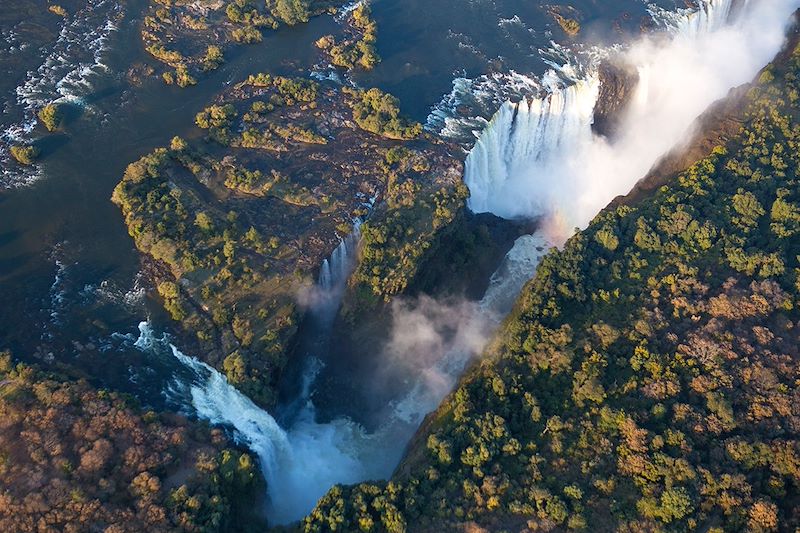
x=335, y=270
x=299, y=464
x=523, y=165
x=482, y=96
x=532, y=132
x=711, y=15
x=302, y=462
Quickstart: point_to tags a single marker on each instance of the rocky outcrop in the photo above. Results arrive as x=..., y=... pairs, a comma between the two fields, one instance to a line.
x=617, y=85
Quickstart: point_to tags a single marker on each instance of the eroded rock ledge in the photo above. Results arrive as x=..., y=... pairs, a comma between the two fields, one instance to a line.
x=239, y=223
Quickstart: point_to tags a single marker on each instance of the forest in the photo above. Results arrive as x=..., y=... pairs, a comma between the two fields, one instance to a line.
x=289, y=223
x=74, y=458
x=647, y=379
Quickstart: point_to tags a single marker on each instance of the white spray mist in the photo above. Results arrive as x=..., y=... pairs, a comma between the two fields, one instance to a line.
x=540, y=157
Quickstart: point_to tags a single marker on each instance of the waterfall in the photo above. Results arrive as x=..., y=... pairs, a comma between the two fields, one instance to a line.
x=539, y=157
x=710, y=16
x=532, y=133
x=301, y=462
x=518, y=266
x=335, y=270
x=536, y=157
x=333, y=275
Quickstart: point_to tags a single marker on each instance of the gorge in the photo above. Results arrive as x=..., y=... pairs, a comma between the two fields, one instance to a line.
x=562, y=296
x=537, y=158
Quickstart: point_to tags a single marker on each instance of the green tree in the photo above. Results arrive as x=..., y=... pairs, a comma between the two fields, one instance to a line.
x=25, y=155
x=51, y=116
x=291, y=12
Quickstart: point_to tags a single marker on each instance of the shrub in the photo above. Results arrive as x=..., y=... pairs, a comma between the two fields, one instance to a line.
x=51, y=116
x=247, y=35
x=25, y=155
x=58, y=10
x=379, y=112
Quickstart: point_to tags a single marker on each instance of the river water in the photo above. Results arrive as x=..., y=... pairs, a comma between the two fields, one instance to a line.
x=70, y=281
x=69, y=274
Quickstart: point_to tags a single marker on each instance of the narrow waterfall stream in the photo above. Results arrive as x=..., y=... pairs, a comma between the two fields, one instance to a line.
x=537, y=157
x=333, y=276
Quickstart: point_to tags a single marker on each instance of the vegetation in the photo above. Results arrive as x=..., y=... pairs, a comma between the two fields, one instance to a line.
x=57, y=10
x=247, y=35
x=24, y=154
x=170, y=57
x=73, y=458
x=570, y=26
x=647, y=378
x=238, y=227
x=198, y=35
x=227, y=263
x=183, y=78
x=245, y=12
x=291, y=12
x=284, y=92
x=358, y=47
x=397, y=239
x=51, y=116
x=213, y=58
x=379, y=112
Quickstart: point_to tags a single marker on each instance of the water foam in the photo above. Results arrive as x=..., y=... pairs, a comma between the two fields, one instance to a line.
x=540, y=157
x=64, y=76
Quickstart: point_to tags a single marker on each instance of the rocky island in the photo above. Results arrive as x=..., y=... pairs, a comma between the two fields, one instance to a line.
x=399, y=266
x=237, y=225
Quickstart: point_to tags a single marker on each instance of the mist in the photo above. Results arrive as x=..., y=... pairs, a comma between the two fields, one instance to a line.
x=428, y=346
x=540, y=157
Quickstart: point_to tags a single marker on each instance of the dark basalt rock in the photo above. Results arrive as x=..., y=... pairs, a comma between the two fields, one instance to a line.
x=617, y=85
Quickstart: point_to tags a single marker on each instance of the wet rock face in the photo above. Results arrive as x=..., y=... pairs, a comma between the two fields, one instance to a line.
x=617, y=85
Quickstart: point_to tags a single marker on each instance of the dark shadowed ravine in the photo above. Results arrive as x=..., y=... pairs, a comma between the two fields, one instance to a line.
x=513, y=95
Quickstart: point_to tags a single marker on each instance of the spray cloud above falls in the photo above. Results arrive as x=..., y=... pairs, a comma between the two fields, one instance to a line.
x=540, y=157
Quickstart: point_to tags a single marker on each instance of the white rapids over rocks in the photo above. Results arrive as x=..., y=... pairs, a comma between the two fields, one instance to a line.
x=64, y=75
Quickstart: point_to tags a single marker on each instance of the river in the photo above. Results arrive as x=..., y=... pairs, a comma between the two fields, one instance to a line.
x=70, y=279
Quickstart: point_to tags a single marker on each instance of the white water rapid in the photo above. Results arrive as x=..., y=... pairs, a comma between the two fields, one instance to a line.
x=301, y=462
x=540, y=158
x=65, y=75
x=535, y=158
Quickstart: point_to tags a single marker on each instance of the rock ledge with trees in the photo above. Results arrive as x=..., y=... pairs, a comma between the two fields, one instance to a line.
x=235, y=227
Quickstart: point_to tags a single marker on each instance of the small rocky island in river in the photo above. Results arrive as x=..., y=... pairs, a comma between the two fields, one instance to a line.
x=381, y=266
